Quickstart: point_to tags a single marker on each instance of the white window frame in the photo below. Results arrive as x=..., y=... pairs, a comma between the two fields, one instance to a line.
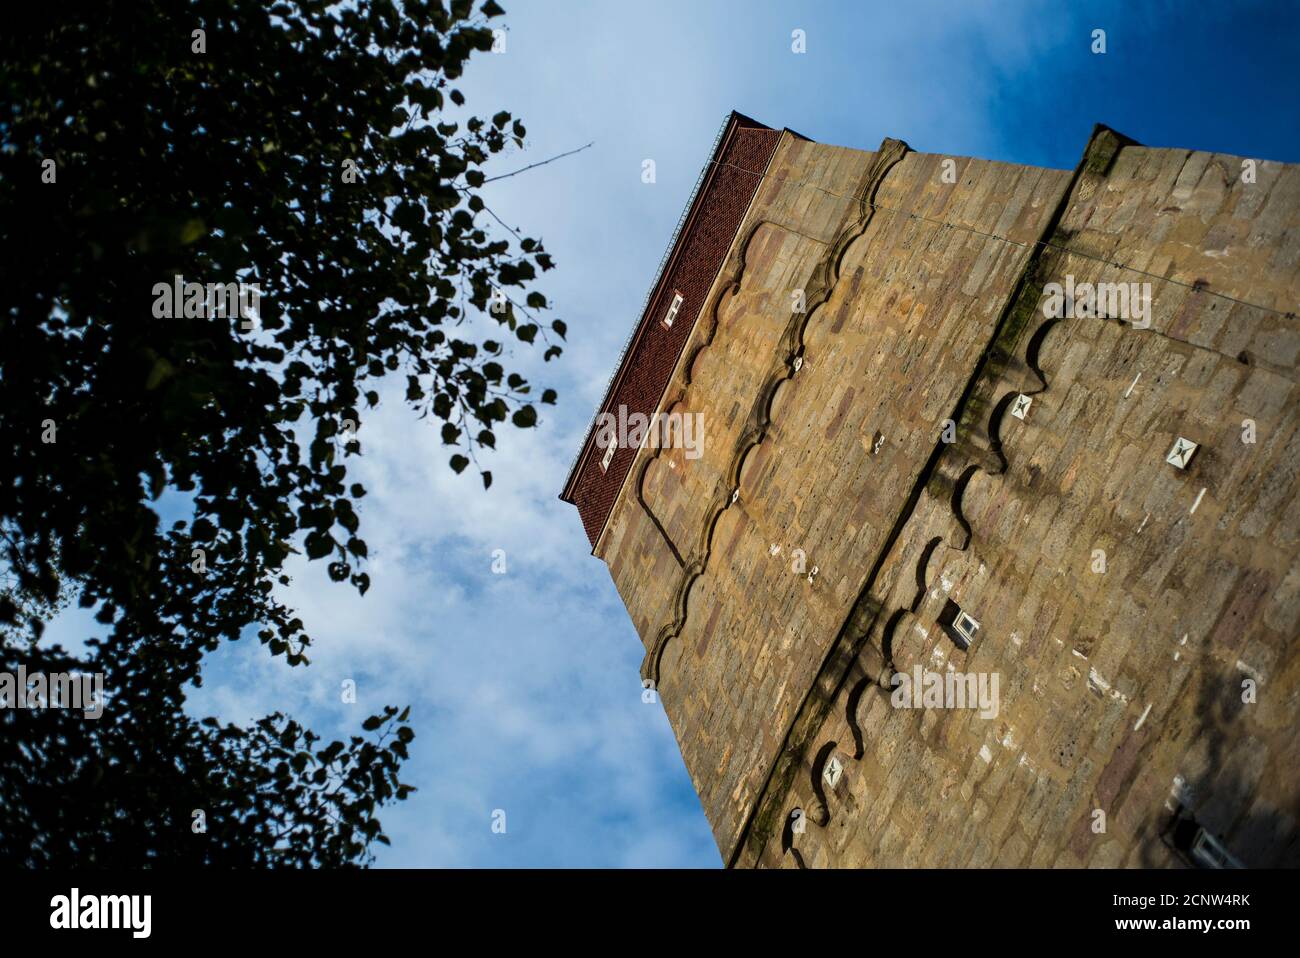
x=966, y=625
x=1187, y=453
x=608, y=457
x=672, y=310
x=1209, y=851
x=833, y=771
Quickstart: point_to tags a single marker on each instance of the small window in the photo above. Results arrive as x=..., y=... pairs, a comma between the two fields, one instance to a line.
x=834, y=769
x=1196, y=846
x=1208, y=852
x=672, y=310
x=1182, y=452
x=959, y=626
x=606, y=459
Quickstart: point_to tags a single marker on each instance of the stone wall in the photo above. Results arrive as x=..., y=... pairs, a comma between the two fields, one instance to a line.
x=780, y=580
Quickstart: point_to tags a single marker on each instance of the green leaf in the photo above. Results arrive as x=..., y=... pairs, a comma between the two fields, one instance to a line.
x=161, y=370
x=192, y=231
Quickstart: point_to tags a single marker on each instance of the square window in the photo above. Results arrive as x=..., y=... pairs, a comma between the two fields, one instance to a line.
x=966, y=625
x=1182, y=452
x=961, y=627
x=1020, y=408
x=606, y=459
x=1208, y=852
x=1194, y=845
x=672, y=310
x=834, y=769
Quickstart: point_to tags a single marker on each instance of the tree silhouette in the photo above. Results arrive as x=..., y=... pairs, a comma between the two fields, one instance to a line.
x=321, y=156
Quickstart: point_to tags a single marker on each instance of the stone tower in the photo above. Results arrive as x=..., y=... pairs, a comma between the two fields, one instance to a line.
x=988, y=555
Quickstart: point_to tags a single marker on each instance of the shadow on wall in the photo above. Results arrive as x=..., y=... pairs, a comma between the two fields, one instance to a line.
x=1219, y=820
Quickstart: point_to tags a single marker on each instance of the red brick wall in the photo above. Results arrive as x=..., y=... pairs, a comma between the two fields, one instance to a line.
x=728, y=188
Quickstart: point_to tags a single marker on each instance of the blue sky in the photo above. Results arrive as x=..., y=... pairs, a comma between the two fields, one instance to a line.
x=524, y=687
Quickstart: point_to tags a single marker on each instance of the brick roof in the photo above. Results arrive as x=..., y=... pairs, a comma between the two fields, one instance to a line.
x=726, y=186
